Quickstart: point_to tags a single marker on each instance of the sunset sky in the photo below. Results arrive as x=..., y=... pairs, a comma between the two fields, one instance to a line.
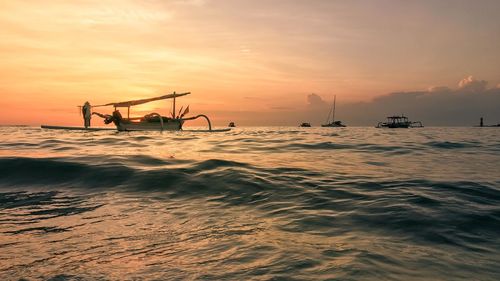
x=242, y=59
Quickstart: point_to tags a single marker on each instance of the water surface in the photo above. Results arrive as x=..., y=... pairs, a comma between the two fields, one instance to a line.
x=273, y=203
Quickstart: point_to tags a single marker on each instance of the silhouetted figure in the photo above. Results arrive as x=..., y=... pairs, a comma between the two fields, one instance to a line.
x=481, y=124
x=117, y=116
x=87, y=114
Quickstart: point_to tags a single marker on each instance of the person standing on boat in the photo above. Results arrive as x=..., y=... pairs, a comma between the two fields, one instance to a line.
x=86, y=111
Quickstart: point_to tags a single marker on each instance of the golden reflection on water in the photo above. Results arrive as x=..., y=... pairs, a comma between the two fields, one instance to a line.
x=366, y=151
x=275, y=202
x=128, y=236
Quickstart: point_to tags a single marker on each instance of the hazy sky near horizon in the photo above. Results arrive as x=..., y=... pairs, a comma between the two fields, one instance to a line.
x=237, y=57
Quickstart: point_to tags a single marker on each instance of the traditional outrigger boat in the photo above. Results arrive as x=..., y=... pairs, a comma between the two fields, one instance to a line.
x=149, y=122
x=399, y=122
x=332, y=123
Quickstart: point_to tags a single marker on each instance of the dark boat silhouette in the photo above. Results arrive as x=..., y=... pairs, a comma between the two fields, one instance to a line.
x=332, y=123
x=149, y=122
x=305, y=124
x=481, y=124
x=397, y=121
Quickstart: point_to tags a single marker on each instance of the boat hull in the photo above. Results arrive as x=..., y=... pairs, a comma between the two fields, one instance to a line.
x=332, y=125
x=75, y=128
x=394, y=126
x=170, y=125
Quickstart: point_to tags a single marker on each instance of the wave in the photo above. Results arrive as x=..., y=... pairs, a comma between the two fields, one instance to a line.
x=452, y=145
x=411, y=206
x=268, y=202
x=136, y=170
x=216, y=201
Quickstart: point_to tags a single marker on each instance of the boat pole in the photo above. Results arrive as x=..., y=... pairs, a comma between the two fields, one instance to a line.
x=328, y=118
x=173, y=111
x=333, y=114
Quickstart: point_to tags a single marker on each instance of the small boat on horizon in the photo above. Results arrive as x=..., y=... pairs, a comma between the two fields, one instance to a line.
x=305, y=124
x=332, y=123
x=481, y=124
x=231, y=125
x=397, y=121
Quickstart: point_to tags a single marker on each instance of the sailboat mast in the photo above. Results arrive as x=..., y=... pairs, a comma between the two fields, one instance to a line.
x=333, y=114
x=328, y=118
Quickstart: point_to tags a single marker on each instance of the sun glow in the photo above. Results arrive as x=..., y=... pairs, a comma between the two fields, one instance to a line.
x=237, y=57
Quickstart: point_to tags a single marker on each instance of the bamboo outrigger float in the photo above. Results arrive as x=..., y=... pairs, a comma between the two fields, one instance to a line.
x=149, y=122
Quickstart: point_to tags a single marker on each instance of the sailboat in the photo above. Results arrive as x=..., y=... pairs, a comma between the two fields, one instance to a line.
x=332, y=123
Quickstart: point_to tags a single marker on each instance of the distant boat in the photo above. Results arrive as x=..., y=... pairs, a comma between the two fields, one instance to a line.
x=481, y=124
x=305, y=124
x=231, y=125
x=399, y=122
x=332, y=123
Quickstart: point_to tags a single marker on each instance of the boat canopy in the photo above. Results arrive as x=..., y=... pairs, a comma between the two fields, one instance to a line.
x=142, y=101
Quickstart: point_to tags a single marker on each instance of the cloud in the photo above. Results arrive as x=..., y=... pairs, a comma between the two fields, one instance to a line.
x=437, y=106
x=253, y=98
x=315, y=101
x=197, y=3
x=472, y=85
x=286, y=108
x=437, y=89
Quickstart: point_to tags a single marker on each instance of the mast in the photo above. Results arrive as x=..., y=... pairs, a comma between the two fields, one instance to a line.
x=333, y=114
x=330, y=113
x=173, y=111
x=328, y=118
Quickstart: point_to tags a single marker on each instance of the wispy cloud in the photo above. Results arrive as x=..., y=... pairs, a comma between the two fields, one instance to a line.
x=61, y=52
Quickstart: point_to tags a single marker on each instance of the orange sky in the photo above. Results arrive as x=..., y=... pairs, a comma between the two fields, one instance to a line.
x=234, y=56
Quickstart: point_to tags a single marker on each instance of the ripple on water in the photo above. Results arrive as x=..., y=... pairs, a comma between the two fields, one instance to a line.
x=263, y=203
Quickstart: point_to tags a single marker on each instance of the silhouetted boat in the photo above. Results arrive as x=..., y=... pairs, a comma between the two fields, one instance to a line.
x=481, y=124
x=152, y=121
x=231, y=125
x=332, y=123
x=305, y=124
x=399, y=122
x=149, y=122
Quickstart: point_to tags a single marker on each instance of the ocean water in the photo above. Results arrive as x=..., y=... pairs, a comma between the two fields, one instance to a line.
x=271, y=203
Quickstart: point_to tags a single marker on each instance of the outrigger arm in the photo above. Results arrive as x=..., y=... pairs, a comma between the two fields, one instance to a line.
x=198, y=116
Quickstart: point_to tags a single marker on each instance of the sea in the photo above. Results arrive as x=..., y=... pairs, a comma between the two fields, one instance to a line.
x=254, y=203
